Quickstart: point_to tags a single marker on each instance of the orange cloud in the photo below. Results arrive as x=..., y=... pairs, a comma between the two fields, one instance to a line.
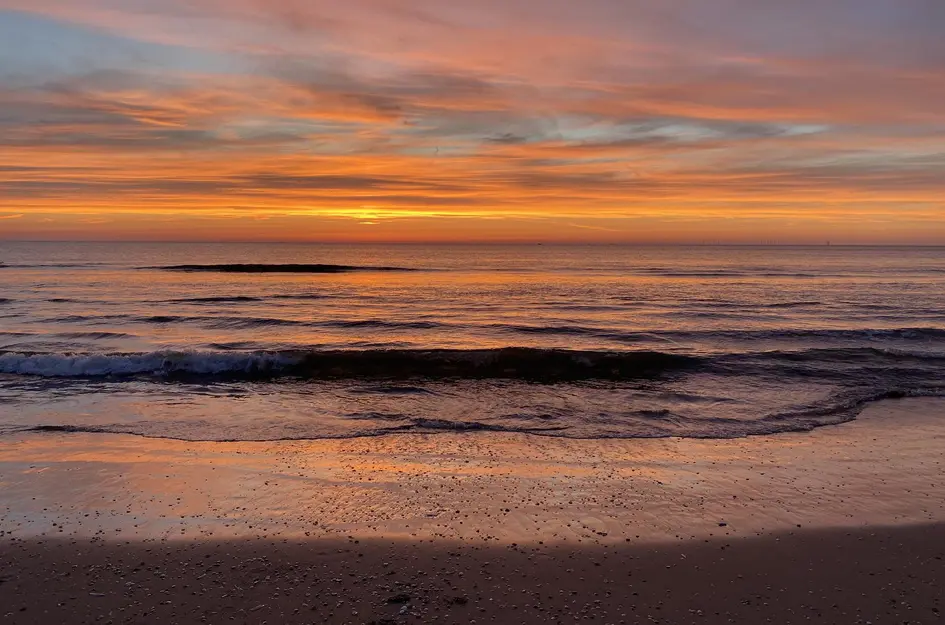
x=443, y=120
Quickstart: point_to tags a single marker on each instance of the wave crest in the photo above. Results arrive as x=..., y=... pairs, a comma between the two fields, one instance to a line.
x=540, y=365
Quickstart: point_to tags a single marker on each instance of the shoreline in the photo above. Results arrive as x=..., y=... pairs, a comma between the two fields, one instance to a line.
x=881, y=469
x=844, y=524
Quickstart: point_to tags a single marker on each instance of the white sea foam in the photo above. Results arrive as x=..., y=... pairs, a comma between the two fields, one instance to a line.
x=78, y=365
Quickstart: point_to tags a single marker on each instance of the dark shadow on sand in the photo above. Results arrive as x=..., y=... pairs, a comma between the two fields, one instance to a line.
x=883, y=575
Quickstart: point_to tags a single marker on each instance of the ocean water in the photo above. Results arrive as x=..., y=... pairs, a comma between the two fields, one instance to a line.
x=273, y=341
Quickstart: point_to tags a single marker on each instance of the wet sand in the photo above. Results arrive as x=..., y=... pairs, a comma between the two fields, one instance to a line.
x=839, y=525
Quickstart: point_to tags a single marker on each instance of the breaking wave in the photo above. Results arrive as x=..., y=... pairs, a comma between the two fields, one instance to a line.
x=543, y=365
x=543, y=392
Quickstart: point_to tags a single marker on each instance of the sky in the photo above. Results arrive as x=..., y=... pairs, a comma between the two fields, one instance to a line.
x=647, y=121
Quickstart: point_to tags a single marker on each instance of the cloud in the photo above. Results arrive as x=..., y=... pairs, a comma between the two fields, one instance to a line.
x=607, y=107
x=15, y=216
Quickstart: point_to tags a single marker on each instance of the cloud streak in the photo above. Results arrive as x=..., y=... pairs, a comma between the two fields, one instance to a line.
x=605, y=110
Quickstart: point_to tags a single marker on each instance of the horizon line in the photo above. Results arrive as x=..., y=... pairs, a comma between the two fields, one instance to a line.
x=469, y=243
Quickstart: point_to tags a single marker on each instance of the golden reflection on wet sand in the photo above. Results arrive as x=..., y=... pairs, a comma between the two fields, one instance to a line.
x=884, y=468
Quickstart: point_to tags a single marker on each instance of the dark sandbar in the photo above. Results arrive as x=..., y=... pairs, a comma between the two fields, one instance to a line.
x=286, y=268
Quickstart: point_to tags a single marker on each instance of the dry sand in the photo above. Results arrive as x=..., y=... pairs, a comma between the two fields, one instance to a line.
x=840, y=525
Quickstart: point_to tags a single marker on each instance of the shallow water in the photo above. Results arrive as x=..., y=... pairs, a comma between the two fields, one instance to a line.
x=265, y=341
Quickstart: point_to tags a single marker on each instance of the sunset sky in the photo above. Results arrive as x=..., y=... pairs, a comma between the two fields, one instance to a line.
x=459, y=120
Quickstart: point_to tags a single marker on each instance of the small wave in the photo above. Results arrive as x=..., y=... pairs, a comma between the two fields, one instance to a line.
x=725, y=273
x=284, y=268
x=877, y=307
x=243, y=346
x=647, y=424
x=52, y=265
x=69, y=429
x=378, y=323
x=5, y=300
x=445, y=425
x=717, y=314
x=684, y=336
x=792, y=304
x=391, y=390
x=747, y=306
x=840, y=409
x=89, y=318
x=531, y=364
x=412, y=426
x=248, y=298
x=302, y=296
x=551, y=329
x=92, y=335
x=163, y=319
x=216, y=300
x=609, y=334
x=230, y=323
x=863, y=334
x=247, y=323
x=848, y=366
x=848, y=355
x=261, y=322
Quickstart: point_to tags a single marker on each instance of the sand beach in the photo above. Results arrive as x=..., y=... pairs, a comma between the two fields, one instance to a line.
x=839, y=525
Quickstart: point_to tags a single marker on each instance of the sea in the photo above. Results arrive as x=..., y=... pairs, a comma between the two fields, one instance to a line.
x=226, y=342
